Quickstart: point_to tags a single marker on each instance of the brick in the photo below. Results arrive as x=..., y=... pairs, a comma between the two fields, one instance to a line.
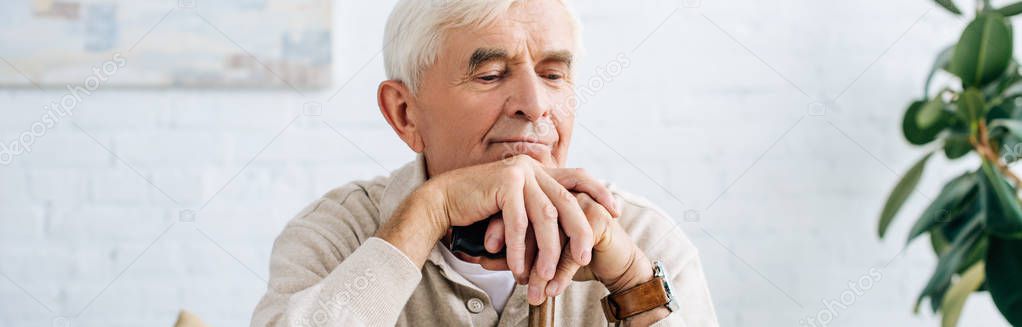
x=121, y=185
x=110, y=223
x=22, y=222
x=60, y=146
x=163, y=148
x=60, y=186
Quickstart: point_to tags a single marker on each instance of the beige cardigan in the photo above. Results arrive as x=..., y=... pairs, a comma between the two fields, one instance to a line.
x=327, y=269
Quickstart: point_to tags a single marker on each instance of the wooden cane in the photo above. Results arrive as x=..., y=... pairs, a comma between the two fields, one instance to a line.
x=542, y=315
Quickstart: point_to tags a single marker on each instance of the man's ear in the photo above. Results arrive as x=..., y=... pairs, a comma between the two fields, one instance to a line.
x=397, y=106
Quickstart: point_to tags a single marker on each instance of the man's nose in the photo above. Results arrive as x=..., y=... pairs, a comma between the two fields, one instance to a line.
x=529, y=98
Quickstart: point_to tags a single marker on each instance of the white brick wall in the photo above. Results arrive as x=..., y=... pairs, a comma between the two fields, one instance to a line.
x=703, y=120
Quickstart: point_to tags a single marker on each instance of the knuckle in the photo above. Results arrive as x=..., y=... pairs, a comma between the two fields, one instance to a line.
x=584, y=199
x=550, y=251
x=549, y=213
x=514, y=173
x=567, y=269
x=518, y=229
x=523, y=160
x=546, y=220
x=567, y=180
x=565, y=195
x=515, y=247
x=595, y=211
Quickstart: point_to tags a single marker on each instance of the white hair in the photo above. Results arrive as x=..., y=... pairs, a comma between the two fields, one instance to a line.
x=415, y=29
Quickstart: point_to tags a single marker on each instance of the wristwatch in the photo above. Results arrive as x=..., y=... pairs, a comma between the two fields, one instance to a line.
x=641, y=298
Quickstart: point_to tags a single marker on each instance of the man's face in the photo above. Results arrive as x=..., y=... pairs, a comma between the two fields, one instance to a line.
x=500, y=90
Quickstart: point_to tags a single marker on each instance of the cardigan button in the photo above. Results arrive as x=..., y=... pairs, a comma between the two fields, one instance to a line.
x=475, y=305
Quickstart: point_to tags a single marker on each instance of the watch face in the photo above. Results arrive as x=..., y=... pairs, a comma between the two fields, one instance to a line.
x=658, y=269
x=667, y=288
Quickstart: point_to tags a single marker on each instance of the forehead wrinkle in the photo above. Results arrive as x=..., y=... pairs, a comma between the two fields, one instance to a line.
x=515, y=36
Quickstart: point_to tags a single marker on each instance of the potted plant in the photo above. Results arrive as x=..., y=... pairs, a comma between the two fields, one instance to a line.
x=975, y=222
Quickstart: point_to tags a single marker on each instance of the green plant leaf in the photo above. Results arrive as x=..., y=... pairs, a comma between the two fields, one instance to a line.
x=1013, y=91
x=998, y=87
x=956, y=228
x=955, y=298
x=901, y=191
x=950, y=262
x=983, y=51
x=1003, y=212
x=975, y=254
x=942, y=62
x=1002, y=111
x=938, y=241
x=1003, y=268
x=1010, y=10
x=971, y=105
x=1011, y=126
x=949, y=204
x=949, y=5
x=956, y=145
x=931, y=113
x=913, y=133
x=932, y=294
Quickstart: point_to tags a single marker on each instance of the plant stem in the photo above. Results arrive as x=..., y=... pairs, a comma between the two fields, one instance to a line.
x=989, y=153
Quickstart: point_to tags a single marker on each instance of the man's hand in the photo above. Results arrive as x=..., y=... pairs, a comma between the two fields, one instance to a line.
x=617, y=262
x=533, y=199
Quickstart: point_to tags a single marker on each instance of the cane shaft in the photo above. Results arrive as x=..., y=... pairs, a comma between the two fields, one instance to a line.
x=542, y=315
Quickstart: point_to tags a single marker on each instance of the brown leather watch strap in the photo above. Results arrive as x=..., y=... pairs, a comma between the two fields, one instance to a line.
x=641, y=298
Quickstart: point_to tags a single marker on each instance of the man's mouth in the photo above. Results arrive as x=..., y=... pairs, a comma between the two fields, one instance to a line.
x=522, y=145
x=521, y=140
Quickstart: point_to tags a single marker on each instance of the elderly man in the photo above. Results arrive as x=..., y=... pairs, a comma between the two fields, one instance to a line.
x=482, y=90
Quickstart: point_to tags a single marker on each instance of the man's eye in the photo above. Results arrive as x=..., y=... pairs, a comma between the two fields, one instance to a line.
x=554, y=76
x=491, y=76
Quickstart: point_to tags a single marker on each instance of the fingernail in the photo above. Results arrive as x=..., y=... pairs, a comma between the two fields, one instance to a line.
x=551, y=288
x=534, y=295
x=491, y=243
x=586, y=257
x=549, y=272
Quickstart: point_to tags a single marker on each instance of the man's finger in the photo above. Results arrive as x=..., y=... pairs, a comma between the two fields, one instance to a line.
x=537, y=289
x=578, y=180
x=493, y=240
x=543, y=221
x=516, y=223
x=597, y=216
x=566, y=270
x=572, y=220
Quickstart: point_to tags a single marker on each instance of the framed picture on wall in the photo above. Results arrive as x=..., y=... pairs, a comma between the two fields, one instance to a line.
x=166, y=43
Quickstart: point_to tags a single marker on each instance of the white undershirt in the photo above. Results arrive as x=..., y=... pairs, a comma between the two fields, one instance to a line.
x=497, y=284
